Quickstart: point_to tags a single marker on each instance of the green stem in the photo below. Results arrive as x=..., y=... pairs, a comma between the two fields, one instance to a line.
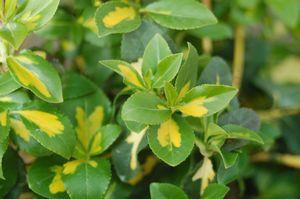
x=239, y=56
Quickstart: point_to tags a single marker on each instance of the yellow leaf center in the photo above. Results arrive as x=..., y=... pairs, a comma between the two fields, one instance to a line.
x=3, y=118
x=47, y=122
x=115, y=17
x=130, y=76
x=194, y=108
x=20, y=129
x=57, y=184
x=168, y=134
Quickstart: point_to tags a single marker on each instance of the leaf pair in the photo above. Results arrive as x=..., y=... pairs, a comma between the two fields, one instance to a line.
x=119, y=17
x=22, y=18
x=157, y=59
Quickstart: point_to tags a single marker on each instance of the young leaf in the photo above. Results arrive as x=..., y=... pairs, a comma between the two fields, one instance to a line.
x=215, y=191
x=14, y=33
x=145, y=108
x=36, y=74
x=45, y=178
x=86, y=179
x=188, y=73
x=180, y=14
x=14, y=100
x=37, y=13
x=130, y=74
x=4, y=136
x=156, y=50
x=116, y=17
x=206, y=100
x=239, y=132
x=52, y=130
x=166, y=191
x=7, y=84
x=167, y=69
x=172, y=141
x=170, y=93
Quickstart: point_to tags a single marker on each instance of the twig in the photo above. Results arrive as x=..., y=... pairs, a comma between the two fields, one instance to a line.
x=239, y=56
x=207, y=45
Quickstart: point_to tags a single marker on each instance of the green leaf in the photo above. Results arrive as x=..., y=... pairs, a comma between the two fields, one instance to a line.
x=10, y=172
x=206, y=100
x=14, y=100
x=14, y=33
x=7, y=84
x=128, y=72
x=239, y=132
x=170, y=93
x=50, y=129
x=86, y=179
x=134, y=43
x=238, y=170
x=287, y=11
x=10, y=8
x=219, y=31
x=166, y=191
x=4, y=136
x=172, y=141
x=188, y=73
x=36, y=74
x=167, y=69
x=217, y=71
x=228, y=158
x=116, y=17
x=215, y=191
x=37, y=13
x=75, y=85
x=108, y=134
x=44, y=178
x=125, y=155
x=180, y=14
x=156, y=50
x=145, y=108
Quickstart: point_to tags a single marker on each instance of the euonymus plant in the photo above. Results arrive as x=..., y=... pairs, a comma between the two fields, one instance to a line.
x=113, y=99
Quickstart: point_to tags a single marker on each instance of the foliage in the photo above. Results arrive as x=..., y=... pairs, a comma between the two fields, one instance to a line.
x=136, y=99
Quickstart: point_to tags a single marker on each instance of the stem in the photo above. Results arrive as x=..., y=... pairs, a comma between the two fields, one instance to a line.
x=274, y=114
x=288, y=160
x=239, y=56
x=207, y=45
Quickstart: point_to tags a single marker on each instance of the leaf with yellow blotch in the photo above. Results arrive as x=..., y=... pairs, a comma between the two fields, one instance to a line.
x=171, y=141
x=206, y=100
x=116, y=17
x=131, y=75
x=86, y=179
x=93, y=138
x=36, y=74
x=45, y=177
x=14, y=100
x=52, y=130
x=4, y=136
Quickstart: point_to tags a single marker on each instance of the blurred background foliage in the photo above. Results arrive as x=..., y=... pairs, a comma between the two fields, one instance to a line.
x=265, y=32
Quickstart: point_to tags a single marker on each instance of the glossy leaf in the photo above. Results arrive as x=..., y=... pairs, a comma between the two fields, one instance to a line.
x=116, y=17
x=50, y=129
x=36, y=74
x=180, y=14
x=167, y=69
x=4, y=136
x=188, y=73
x=45, y=178
x=145, y=108
x=206, y=100
x=172, y=141
x=14, y=33
x=156, y=50
x=7, y=84
x=215, y=191
x=166, y=191
x=86, y=179
x=37, y=13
